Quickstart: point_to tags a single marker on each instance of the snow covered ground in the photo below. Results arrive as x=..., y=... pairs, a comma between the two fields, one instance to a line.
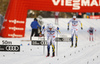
x=86, y=53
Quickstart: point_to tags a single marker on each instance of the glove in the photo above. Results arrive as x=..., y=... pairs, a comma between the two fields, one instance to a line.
x=43, y=27
x=67, y=28
x=57, y=28
x=82, y=28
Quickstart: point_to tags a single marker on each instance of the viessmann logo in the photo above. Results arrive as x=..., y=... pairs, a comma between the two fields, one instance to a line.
x=76, y=4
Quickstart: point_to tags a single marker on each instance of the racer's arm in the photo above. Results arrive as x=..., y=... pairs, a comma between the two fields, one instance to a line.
x=81, y=24
x=68, y=24
x=94, y=29
x=43, y=30
x=58, y=31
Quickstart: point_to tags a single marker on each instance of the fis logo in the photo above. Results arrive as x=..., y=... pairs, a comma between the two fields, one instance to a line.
x=76, y=4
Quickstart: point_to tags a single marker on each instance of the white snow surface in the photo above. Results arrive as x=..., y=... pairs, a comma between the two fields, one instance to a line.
x=87, y=51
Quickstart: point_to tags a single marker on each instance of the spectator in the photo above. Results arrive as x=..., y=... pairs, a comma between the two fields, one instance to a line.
x=34, y=26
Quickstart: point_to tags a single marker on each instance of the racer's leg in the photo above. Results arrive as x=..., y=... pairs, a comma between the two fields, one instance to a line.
x=76, y=35
x=92, y=37
x=72, y=32
x=48, y=45
x=53, y=45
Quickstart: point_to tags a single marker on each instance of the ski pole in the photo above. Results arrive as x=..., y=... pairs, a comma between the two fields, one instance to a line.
x=88, y=36
x=44, y=46
x=57, y=45
x=95, y=36
x=44, y=42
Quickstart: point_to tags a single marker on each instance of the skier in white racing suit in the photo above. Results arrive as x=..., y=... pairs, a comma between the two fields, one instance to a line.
x=74, y=29
x=50, y=37
x=56, y=17
x=91, y=32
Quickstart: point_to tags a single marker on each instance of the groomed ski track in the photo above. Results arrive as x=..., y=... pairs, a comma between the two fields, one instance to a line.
x=86, y=53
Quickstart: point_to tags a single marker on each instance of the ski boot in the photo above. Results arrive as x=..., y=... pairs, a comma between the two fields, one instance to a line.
x=71, y=46
x=75, y=45
x=53, y=54
x=48, y=55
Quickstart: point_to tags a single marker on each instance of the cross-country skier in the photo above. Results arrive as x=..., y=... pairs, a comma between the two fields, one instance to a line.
x=56, y=17
x=74, y=29
x=91, y=31
x=50, y=37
